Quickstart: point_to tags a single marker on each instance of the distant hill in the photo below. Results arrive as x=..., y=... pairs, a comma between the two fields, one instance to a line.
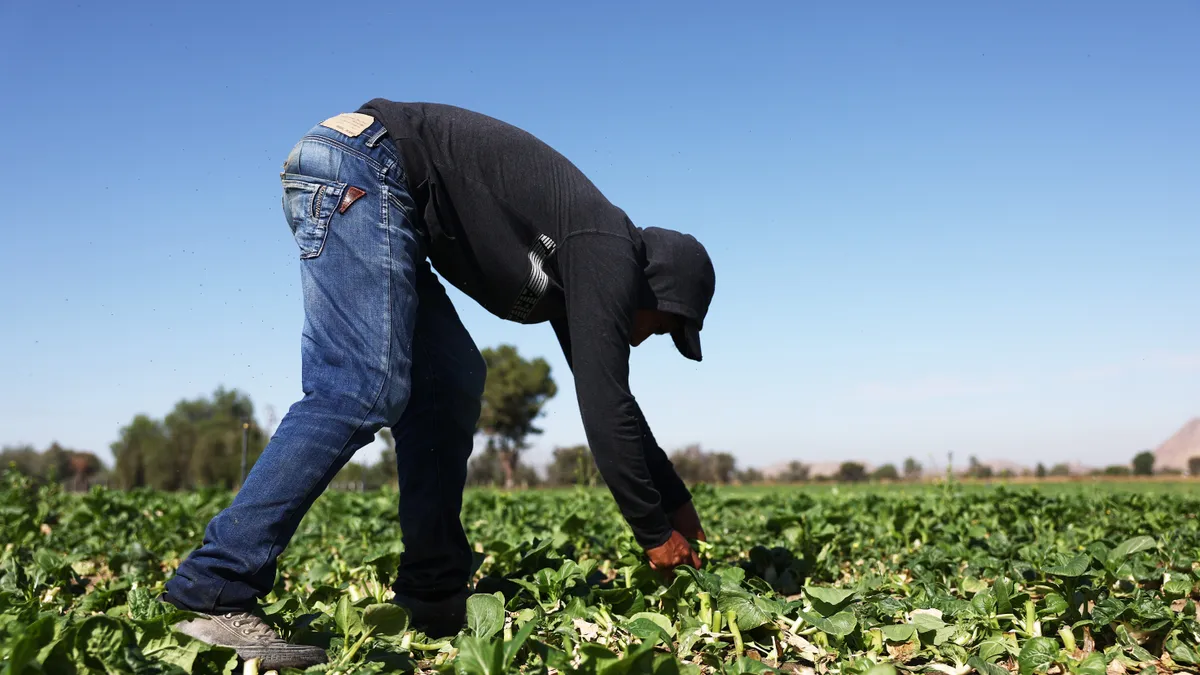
x=1175, y=452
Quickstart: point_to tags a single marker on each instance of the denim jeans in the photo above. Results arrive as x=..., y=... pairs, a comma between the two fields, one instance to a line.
x=382, y=345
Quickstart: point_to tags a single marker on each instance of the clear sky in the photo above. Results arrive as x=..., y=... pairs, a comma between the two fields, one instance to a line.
x=936, y=225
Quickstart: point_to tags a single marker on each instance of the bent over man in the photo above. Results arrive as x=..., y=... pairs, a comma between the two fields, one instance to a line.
x=377, y=200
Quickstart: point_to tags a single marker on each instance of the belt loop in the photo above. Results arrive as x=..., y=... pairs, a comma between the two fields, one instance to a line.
x=375, y=137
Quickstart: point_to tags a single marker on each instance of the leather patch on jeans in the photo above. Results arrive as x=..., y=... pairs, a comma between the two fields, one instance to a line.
x=351, y=196
x=350, y=124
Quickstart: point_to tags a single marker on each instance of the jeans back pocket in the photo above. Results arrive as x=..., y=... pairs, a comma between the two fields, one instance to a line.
x=309, y=204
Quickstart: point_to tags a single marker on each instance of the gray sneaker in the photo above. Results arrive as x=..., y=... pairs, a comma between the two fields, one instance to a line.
x=252, y=638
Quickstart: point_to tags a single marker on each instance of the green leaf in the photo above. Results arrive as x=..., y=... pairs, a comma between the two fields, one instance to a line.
x=942, y=635
x=193, y=656
x=973, y=585
x=1178, y=587
x=881, y=669
x=288, y=604
x=924, y=622
x=477, y=656
x=984, y=668
x=658, y=619
x=996, y=646
x=731, y=577
x=1181, y=652
x=485, y=614
x=648, y=630
x=1003, y=603
x=839, y=625
x=1072, y=568
x=1107, y=611
x=101, y=642
x=25, y=650
x=385, y=619
x=347, y=619
x=1129, y=547
x=1037, y=655
x=828, y=600
x=1055, y=604
x=984, y=603
x=745, y=665
x=514, y=645
x=687, y=641
x=1093, y=664
x=898, y=633
x=749, y=614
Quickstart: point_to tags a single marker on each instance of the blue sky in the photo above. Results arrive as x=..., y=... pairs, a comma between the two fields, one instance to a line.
x=968, y=227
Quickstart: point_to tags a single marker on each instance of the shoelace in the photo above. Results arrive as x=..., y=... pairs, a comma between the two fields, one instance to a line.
x=253, y=627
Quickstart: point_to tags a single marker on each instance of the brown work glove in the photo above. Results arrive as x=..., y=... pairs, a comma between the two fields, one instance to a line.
x=674, y=552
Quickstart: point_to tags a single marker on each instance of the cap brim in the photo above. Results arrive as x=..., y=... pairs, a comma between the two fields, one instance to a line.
x=687, y=341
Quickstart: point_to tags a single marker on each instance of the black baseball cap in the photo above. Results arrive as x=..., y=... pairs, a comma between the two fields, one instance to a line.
x=681, y=278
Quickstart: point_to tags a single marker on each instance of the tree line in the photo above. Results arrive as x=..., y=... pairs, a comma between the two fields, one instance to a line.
x=200, y=443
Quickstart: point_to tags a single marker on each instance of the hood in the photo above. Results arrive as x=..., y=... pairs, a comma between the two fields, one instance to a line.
x=681, y=280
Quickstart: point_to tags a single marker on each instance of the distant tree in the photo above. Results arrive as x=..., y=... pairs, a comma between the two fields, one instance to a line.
x=24, y=458
x=573, y=466
x=359, y=476
x=1143, y=464
x=1194, y=466
x=796, y=472
x=387, y=456
x=1041, y=470
x=749, y=476
x=55, y=464
x=484, y=467
x=1170, y=471
x=199, y=443
x=724, y=467
x=1060, y=470
x=695, y=465
x=852, y=472
x=141, y=456
x=1007, y=473
x=1116, y=470
x=912, y=469
x=886, y=472
x=84, y=466
x=977, y=470
x=516, y=389
x=488, y=468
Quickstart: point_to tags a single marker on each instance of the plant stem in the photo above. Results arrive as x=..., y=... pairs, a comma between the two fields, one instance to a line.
x=738, y=645
x=1068, y=638
x=354, y=650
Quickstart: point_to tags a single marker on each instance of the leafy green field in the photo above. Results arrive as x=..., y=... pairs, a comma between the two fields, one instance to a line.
x=938, y=579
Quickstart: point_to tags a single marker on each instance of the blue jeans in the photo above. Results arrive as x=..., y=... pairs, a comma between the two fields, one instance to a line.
x=382, y=346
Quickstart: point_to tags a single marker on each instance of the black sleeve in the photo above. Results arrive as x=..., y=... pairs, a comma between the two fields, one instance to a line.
x=672, y=490
x=600, y=281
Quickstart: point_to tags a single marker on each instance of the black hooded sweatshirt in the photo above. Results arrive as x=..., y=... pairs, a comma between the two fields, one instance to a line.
x=518, y=228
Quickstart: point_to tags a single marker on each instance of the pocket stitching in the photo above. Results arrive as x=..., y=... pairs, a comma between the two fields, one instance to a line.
x=320, y=226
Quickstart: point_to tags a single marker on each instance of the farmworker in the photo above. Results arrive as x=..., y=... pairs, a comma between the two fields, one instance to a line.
x=377, y=200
